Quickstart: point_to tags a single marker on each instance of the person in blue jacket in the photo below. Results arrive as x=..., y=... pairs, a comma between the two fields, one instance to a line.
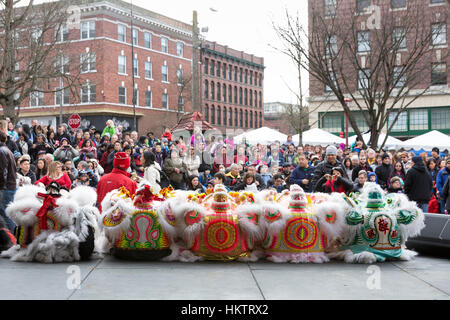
x=303, y=174
x=441, y=179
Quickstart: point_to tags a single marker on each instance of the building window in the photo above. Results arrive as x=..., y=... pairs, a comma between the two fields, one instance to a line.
x=218, y=69
x=363, y=41
x=399, y=37
x=235, y=117
x=135, y=37
x=246, y=76
x=362, y=5
x=165, y=101
x=213, y=115
x=363, y=79
x=440, y=118
x=206, y=113
x=246, y=97
x=147, y=40
x=251, y=119
x=332, y=122
x=251, y=77
x=219, y=116
x=241, y=118
x=240, y=96
x=235, y=95
x=88, y=93
x=418, y=119
x=181, y=103
x=260, y=100
x=148, y=70
x=36, y=99
x=88, y=30
x=330, y=8
x=180, y=76
x=230, y=70
x=164, y=45
x=148, y=98
x=179, y=49
x=64, y=93
x=402, y=122
x=165, y=73
x=136, y=97
x=121, y=31
x=251, y=98
x=212, y=91
x=224, y=93
x=235, y=73
x=206, y=67
x=230, y=94
x=224, y=71
x=438, y=33
x=224, y=116
x=122, y=64
x=206, y=89
x=136, y=67
x=360, y=122
x=256, y=119
x=62, y=63
x=246, y=118
x=240, y=75
x=212, y=66
x=218, y=91
x=437, y=1
x=438, y=74
x=230, y=117
x=260, y=80
x=63, y=34
x=396, y=4
x=399, y=78
x=256, y=99
x=331, y=45
x=333, y=79
x=260, y=119
x=88, y=62
x=122, y=95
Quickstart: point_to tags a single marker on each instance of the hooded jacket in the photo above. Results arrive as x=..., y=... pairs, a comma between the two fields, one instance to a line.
x=383, y=173
x=418, y=184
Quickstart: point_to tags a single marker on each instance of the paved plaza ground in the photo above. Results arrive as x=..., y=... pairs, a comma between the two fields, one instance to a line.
x=108, y=278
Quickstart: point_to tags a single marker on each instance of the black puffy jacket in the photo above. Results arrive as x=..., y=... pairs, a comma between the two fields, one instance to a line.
x=418, y=184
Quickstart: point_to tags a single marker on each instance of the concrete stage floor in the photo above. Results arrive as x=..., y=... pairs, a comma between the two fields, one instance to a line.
x=424, y=277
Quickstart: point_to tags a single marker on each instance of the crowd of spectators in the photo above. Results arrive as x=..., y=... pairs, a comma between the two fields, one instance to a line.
x=42, y=154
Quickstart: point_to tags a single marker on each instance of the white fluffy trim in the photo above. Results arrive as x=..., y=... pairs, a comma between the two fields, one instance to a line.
x=254, y=256
x=23, y=211
x=66, y=210
x=84, y=196
x=333, y=229
x=274, y=227
x=27, y=191
x=310, y=257
x=407, y=255
x=114, y=233
x=249, y=228
x=349, y=257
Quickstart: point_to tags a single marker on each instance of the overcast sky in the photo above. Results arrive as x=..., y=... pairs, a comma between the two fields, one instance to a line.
x=244, y=25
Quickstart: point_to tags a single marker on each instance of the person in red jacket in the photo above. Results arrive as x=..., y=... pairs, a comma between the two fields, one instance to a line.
x=55, y=173
x=167, y=134
x=119, y=177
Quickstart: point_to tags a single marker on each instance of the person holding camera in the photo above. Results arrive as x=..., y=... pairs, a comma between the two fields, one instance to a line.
x=65, y=151
x=86, y=178
x=335, y=182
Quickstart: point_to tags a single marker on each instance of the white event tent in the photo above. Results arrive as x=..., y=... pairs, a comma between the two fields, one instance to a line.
x=318, y=136
x=428, y=141
x=391, y=142
x=262, y=135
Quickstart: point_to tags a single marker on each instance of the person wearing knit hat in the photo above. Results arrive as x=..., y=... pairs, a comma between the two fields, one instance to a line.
x=325, y=168
x=419, y=184
x=396, y=185
x=119, y=177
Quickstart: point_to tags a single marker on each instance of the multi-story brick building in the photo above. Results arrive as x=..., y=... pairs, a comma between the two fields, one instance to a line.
x=431, y=111
x=162, y=55
x=232, y=87
x=273, y=117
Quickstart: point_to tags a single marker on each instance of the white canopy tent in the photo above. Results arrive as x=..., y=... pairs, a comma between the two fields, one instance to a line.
x=262, y=135
x=391, y=142
x=428, y=141
x=318, y=136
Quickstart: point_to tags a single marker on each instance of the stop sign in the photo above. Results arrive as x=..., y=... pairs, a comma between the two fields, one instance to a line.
x=74, y=121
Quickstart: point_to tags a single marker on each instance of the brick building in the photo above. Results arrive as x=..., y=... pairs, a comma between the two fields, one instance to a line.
x=232, y=82
x=162, y=56
x=273, y=118
x=431, y=111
